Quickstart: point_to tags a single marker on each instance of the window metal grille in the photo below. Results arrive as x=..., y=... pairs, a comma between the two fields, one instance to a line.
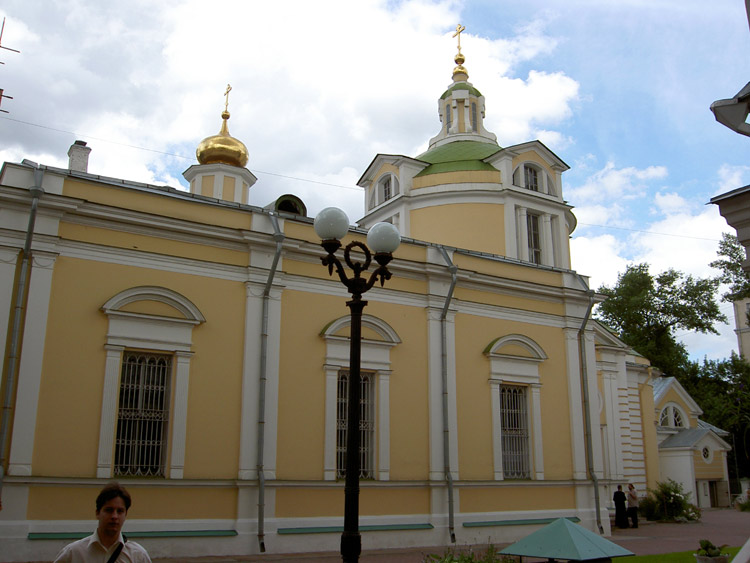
x=143, y=415
x=366, y=424
x=515, y=432
x=535, y=244
x=531, y=178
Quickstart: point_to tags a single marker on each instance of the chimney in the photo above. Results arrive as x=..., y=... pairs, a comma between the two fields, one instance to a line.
x=79, y=157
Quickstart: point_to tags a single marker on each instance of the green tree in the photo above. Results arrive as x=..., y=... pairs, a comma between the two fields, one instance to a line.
x=722, y=389
x=731, y=256
x=646, y=310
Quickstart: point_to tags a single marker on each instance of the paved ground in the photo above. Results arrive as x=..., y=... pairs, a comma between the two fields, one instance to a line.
x=721, y=526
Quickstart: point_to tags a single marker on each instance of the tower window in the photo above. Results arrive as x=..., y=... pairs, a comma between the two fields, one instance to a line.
x=535, y=246
x=448, y=118
x=531, y=178
x=474, y=116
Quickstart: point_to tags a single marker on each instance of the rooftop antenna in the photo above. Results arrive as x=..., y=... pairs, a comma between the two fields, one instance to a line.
x=2, y=94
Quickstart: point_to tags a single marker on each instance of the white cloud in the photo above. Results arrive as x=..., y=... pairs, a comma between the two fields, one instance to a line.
x=731, y=178
x=612, y=184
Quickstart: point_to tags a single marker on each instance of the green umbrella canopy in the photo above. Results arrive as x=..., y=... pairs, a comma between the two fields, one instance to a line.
x=562, y=539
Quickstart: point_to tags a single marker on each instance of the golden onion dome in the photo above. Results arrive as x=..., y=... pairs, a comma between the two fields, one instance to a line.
x=222, y=148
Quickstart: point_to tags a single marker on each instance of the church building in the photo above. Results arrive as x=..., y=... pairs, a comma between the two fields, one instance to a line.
x=191, y=345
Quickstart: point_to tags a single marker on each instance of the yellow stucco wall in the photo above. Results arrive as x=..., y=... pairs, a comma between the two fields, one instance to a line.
x=712, y=470
x=302, y=385
x=531, y=156
x=228, y=189
x=508, y=271
x=306, y=502
x=207, y=186
x=80, y=288
x=156, y=204
x=462, y=177
x=77, y=502
x=147, y=243
x=494, y=499
x=447, y=224
x=474, y=397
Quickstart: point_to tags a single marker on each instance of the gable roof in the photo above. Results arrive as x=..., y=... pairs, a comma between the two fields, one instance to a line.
x=663, y=385
x=718, y=431
x=689, y=438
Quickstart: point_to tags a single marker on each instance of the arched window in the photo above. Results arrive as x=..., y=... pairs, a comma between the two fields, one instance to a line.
x=386, y=188
x=375, y=373
x=144, y=405
x=515, y=386
x=672, y=416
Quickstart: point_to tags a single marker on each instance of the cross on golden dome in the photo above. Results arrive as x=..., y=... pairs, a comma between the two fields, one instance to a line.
x=459, y=73
x=222, y=148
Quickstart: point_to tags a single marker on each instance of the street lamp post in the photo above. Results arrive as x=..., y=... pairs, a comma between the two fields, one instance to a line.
x=331, y=225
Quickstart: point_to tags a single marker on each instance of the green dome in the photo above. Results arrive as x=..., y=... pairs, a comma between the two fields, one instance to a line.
x=461, y=86
x=458, y=156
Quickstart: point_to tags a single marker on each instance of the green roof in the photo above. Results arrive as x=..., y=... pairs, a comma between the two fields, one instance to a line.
x=461, y=86
x=458, y=156
x=564, y=540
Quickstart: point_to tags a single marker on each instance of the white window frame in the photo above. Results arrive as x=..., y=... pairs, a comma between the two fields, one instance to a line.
x=669, y=411
x=375, y=358
x=534, y=238
x=510, y=369
x=170, y=335
x=143, y=425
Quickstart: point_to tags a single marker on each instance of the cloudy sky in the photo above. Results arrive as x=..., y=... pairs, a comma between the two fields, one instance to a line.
x=619, y=90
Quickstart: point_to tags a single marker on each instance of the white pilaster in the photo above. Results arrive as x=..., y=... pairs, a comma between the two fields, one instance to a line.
x=251, y=378
x=548, y=252
x=8, y=260
x=522, y=234
x=575, y=400
x=384, y=426
x=329, y=447
x=497, y=430
x=593, y=392
x=108, y=418
x=30, y=367
x=179, y=416
x=536, y=427
x=614, y=436
x=435, y=370
x=250, y=382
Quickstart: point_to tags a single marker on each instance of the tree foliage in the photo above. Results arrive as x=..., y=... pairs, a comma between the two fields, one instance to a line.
x=731, y=256
x=722, y=389
x=646, y=310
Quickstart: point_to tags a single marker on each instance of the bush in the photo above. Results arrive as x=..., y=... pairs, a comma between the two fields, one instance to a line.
x=669, y=501
x=743, y=505
x=647, y=508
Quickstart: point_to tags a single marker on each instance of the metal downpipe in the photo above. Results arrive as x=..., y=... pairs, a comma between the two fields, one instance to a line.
x=444, y=372
x=587, y=410
x=18, y=316
x=278, y=236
